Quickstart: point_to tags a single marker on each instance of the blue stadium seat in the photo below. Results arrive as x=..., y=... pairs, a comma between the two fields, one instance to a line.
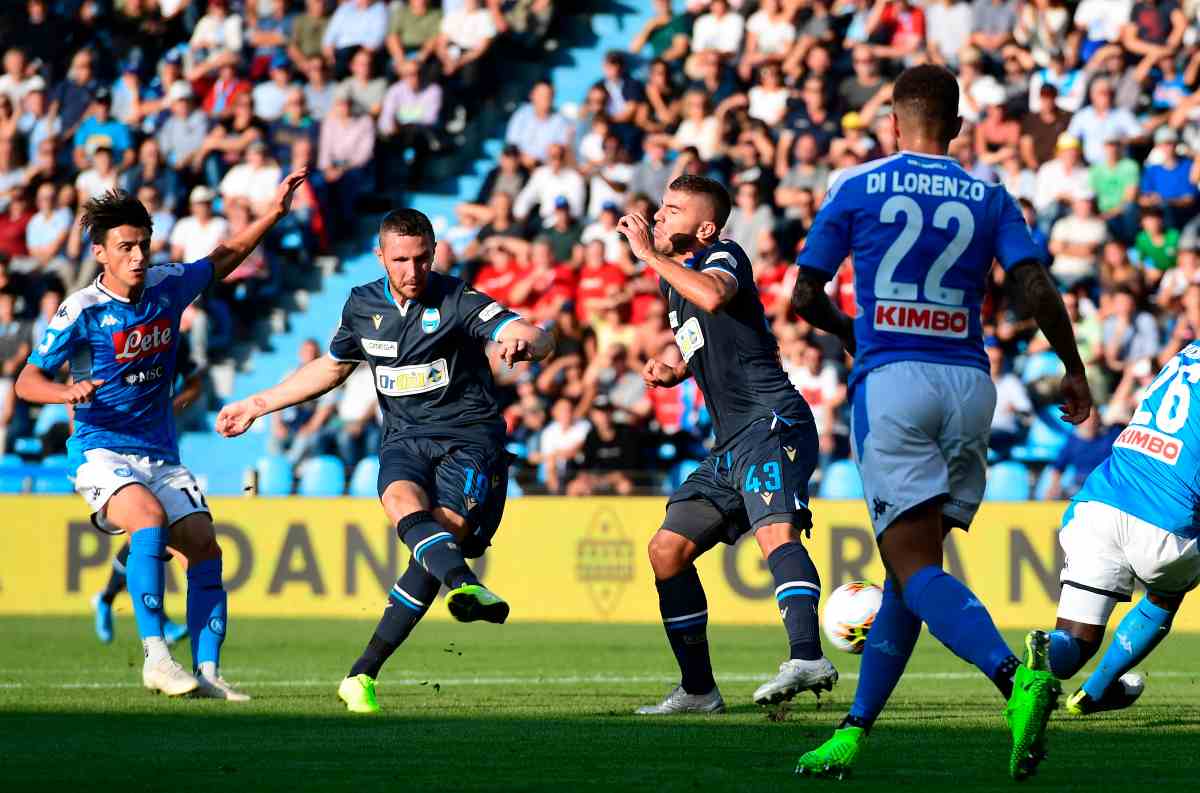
x=11, y=480
x=274, y=476
x=55, y=476
x=48, y=416
x=1007, y=482
x=1042, y=444
x=840, y=480
x=364, y=482
x=323, y=476
x=514, y=489
x=1041, y=366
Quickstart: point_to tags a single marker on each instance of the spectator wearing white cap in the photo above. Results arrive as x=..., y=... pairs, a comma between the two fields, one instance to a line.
x=199, y=233
x=182, y=134
x=1060, y=180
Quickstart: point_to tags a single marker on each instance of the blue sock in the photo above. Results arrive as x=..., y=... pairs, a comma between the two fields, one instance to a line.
x=959, y=621
x=145, y=580
x=1138, y=634
x=206, y=611
x=684, y=609
x=890, y=644
x=797, y=589
x=1066, y=654
x=435, y=549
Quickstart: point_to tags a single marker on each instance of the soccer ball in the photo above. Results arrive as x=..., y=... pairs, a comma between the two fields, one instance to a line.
x=849, y=613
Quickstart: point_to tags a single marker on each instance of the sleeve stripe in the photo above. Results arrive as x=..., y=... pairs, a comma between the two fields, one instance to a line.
x=496, y=330
x=347, y=360
x=720, y=268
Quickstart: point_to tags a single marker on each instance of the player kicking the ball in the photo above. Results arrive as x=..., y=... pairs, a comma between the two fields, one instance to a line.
x=756, y=478
x=120, y=336
x=924, y=234
x=1134, y=518
x=443, y=469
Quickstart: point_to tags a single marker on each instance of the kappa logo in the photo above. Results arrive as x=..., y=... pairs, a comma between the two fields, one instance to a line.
x=108, y=320
x=1126, y=645
x=790, y=452
x=887, y=648
x=61, y=313
x=431, y=318
x=377, y=319
x=151, y=601
x=767, y=497
x=880, y=507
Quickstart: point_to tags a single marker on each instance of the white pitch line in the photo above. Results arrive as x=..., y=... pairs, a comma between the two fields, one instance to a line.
x=569, y=680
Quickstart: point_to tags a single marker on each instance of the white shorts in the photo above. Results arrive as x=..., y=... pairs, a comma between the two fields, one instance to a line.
x=104, y=473
x=920, y=432
x=1107, y=550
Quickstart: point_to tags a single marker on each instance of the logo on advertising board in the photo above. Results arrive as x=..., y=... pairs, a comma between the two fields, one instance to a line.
x=604, y=560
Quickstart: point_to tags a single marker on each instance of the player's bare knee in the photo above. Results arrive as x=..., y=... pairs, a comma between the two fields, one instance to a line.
x=773, y=535
x=668, y=553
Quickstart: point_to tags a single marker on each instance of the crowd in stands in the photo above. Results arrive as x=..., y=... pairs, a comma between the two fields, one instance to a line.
x=1087, y=112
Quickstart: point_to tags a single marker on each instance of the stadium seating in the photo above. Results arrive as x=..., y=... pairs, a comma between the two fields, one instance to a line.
x=12, y=474
x=841, y=480
x=54, y=476
x=322, y=476
x=1007, y=481
x=1042, y=444
x=274, y=476
x=364, y=482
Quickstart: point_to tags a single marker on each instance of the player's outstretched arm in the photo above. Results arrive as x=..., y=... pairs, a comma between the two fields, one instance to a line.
x=34, y=386
x=814, y=307
x=229, y=254
x=309, y=381
x=523, y=341
x=1047, y=306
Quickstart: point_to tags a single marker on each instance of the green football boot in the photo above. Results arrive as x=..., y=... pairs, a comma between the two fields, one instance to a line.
x=1034, y=695
x=472, y=602
x=834, y=758
x=358, y=693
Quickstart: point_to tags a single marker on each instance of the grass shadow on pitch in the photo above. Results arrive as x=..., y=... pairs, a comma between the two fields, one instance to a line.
x=214, y=748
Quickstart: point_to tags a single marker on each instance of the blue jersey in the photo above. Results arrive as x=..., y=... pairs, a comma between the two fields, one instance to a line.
x=923, y=234
x=132, y=348
x=1152, y=471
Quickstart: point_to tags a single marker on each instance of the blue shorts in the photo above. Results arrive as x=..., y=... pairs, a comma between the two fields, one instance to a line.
x=759, y=478
x=468, y=477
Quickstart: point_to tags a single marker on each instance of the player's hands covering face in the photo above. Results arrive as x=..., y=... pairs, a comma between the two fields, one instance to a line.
x=635, y=229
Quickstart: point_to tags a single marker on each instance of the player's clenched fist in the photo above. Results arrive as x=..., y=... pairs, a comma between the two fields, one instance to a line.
x=657, y=374
x=81, y=392
x=514, y=351
x=236, y=418
x=637, y=231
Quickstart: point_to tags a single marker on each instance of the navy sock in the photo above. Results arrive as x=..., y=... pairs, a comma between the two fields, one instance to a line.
x=144, y=574
x=207, y=611
x=890, y=644
x=1066, y=654
x=1138, y=634
x=797, y=589
x=116, y=579
x=962, y=623
x=684, y=611
x=435, y=549
x=408, y=601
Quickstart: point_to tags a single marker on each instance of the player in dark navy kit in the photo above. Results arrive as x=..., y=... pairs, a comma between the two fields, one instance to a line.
x=756, y=478
x=443, y=469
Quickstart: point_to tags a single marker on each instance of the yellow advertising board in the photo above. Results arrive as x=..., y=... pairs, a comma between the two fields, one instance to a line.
x=555, y=559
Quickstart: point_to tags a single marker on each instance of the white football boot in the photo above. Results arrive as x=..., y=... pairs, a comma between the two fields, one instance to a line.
x=796, y=675
x=167, y=676
x=679, y=701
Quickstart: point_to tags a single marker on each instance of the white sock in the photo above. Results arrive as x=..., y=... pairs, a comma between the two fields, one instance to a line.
x=155, y=648
x=208, y=669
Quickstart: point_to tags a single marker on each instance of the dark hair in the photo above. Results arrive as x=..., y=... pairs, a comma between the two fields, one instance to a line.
x=717, y=195
x=112, y=209
x=927, y=95
x=406, y=222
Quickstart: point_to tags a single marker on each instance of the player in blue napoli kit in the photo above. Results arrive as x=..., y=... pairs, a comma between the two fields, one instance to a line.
x=755, y=479
x=119, y=337
x=443, y=468
x=1136, y=518
x=923, y=235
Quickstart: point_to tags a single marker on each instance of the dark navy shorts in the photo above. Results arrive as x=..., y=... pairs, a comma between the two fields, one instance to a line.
x=469, y=477
x=759, y=478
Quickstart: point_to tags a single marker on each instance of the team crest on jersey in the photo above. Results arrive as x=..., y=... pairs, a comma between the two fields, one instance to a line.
x=689, y=338
x=108, y=320
x=430, y=319
x=377, y=319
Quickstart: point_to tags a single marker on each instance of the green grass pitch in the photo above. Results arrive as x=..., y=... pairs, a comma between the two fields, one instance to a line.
x=535, y=707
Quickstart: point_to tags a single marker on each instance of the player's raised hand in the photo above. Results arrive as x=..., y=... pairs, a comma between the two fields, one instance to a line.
x=635, y=229
x=287, y=190
x=236, y=417
x=1076, y=398
x=514, y=351
x=81, y=392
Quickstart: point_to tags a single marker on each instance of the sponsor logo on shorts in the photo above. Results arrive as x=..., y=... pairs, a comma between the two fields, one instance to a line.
x=922, y=319
x=409, y=380
x=1151, y=443
x=430, y=319
x=790, y=452
x=143, y=340
x=380, y=348
x=151, y=601
x=145, y=376
x=767, y=497
x=490, y=311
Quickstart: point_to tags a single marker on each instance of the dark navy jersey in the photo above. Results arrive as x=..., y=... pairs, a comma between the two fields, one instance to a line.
x=431, y=374
x=133, y=348
x=731, y=352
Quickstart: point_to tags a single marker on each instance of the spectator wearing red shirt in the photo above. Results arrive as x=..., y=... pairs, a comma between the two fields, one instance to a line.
x=12, y=226
x=502, y=277
x=901, y=25
x=220, y=98
x=601, y=284
x=553, y=283
x=771, y=274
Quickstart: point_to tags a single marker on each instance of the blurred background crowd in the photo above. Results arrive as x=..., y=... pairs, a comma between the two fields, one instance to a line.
x=1087, y=112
